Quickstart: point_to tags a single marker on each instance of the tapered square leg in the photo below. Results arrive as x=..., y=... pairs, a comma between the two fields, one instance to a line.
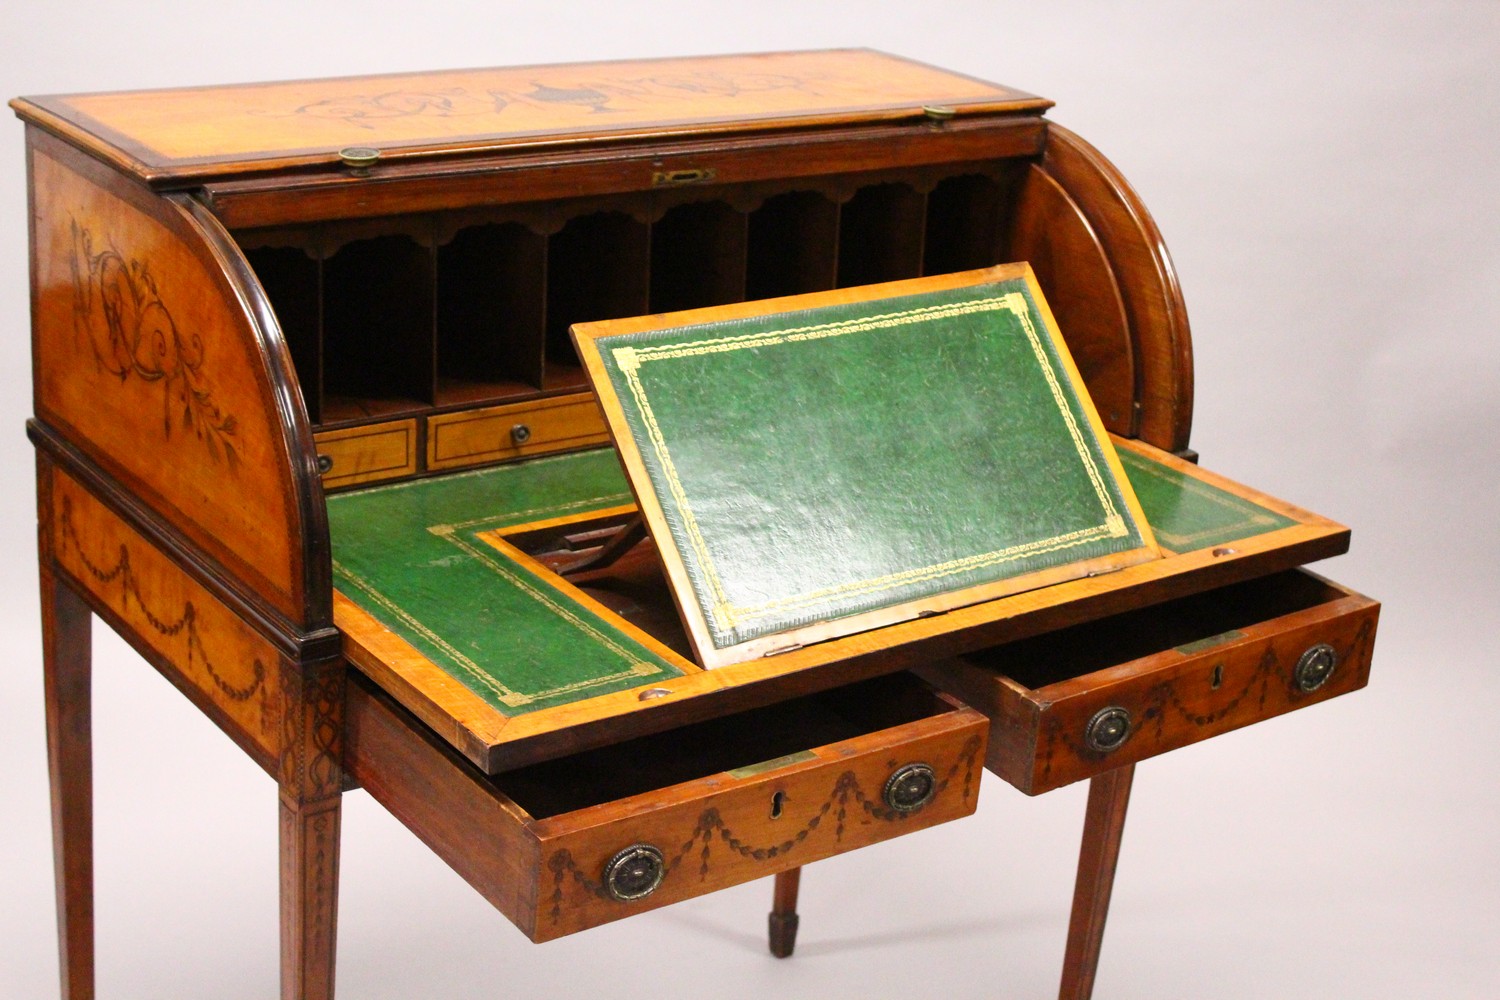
x=311, y=779
x=67, y=671
x=783, y=918
x=309, y=899
x=1103, y=826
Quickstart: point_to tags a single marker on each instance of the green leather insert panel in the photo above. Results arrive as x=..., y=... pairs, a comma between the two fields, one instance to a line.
x=1187, y=514
x=408, y=555
x=826, y=462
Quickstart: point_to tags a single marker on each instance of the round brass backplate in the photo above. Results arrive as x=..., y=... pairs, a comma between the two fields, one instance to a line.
x=910, y=787
x=635, y=872
x=1315, y=667
x=1107, y=730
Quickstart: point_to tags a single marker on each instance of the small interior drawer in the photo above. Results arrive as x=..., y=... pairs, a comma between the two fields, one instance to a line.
x=1077, y=702
x=498, y=433
x=356, y=455
x=581, y=840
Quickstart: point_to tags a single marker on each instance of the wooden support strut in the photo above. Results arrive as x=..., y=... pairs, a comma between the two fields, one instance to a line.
x=66, y=657
x=1103, y=825
x=631, y=533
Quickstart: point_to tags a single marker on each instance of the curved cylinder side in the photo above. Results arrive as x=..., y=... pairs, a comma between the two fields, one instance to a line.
x=306, y=480
x=157, y=357
x=1147, y=281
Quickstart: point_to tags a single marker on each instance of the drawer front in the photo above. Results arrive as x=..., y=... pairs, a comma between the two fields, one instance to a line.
x=1245, y=679
x=358, y=455
x=498, y=433
x=733, y=828
x=1062, y=732
x=552, y=874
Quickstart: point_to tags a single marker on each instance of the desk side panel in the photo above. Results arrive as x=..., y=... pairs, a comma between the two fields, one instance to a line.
x=444, y=801
x=1161, y=343
x=154, y=354
x=202, y=646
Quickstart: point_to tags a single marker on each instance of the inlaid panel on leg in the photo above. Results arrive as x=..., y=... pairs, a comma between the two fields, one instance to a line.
x=311, y=780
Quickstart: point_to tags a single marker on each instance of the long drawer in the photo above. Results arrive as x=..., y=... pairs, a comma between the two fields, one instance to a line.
x=582, y=840
x=1074, y=703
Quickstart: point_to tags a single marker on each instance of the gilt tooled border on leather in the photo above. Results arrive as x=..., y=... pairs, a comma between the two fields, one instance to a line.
x=367, y=592
x=1253, y=519
x=727, y=621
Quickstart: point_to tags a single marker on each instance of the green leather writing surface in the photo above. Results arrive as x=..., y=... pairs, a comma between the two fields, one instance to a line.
x=1188, y=514
x=408, y=555
x=816, y=464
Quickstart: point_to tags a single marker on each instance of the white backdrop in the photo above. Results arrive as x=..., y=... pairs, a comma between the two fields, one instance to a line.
x=1326, y=176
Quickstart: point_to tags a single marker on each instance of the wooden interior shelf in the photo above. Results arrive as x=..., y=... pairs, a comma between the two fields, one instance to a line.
x=378, y=325
x=793, y=245
x=491, y=312
x=397, y=317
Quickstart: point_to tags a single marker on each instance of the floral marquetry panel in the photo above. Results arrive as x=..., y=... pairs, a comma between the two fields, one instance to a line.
x=145, y=360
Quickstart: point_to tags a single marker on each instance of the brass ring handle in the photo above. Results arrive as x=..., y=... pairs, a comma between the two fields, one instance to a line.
x=1108, y=730
x=910, y=787
x=1315, y=667
x=634, y=873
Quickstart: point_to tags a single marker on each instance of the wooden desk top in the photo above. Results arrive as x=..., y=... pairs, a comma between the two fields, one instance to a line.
x=214, y=132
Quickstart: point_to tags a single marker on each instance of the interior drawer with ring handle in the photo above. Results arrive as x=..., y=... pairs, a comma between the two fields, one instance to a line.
x=1074, y=703
x=500, y=433
x=582, y=840
x=356, y=456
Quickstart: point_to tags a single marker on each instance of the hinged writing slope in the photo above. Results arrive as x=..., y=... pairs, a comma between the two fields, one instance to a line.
x=824, y=464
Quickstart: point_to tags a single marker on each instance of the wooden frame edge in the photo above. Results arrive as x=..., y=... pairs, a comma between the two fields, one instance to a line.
x=442, y=701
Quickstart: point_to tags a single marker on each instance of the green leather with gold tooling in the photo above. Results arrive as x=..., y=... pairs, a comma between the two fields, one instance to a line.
x=821, y=463
x=1187, y=514
x=408, y=555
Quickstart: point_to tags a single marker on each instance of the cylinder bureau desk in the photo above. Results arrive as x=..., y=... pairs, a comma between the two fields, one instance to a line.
x=312, y=436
